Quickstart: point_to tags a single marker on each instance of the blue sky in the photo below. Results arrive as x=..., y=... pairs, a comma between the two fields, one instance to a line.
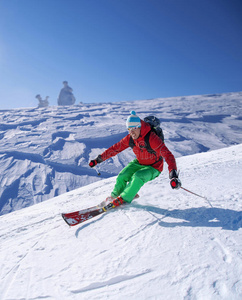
x=114, y=50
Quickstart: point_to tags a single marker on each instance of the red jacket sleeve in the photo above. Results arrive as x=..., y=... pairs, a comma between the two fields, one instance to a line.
x=116, y=148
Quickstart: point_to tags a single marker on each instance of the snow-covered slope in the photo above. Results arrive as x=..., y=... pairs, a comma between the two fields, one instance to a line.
x=45, y=152
x=165, y=245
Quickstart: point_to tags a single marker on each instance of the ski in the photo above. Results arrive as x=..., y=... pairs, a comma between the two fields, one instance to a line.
x=80, y=216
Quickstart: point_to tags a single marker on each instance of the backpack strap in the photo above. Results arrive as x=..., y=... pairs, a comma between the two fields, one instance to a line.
x=131, y=142
x=147, y=143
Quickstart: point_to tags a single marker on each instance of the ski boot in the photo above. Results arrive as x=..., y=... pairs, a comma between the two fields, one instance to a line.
x=116, y=202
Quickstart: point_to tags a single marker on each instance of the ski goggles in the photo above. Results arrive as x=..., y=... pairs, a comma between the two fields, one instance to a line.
x=133, y=128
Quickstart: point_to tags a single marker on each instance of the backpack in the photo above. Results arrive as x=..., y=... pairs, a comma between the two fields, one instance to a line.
x=155, y=126
x=154, y=123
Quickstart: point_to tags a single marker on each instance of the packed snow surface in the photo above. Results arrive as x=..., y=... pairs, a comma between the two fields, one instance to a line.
x=45, y=152
x=165, y=245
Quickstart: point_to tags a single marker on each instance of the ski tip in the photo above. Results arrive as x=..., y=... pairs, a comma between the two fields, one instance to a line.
x=63, y=216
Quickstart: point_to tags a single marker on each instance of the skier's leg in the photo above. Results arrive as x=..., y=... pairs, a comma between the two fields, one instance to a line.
x=138, y=179
x=124, y=177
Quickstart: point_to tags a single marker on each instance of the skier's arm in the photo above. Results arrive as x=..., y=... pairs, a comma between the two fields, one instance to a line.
x=161, y=150
x=173, y=174
x=169, y=157
x=116, y=148
x=111, y=151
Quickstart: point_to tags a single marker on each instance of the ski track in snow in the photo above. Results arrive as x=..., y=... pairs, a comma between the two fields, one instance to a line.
x=165, y=245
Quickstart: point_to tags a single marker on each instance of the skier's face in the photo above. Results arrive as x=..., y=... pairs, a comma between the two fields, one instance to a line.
x=134, y=132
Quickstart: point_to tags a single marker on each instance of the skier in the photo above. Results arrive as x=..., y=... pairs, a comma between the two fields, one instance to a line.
x=146, y=167
x=66, y=96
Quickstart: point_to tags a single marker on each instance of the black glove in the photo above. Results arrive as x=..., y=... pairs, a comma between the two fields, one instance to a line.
x=95, y=161
x=175, y=182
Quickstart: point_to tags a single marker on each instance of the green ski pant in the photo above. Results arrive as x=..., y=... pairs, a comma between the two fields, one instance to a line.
x=132, y=178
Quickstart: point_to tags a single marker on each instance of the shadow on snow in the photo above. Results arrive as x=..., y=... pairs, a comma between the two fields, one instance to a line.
x=198, y=217
x=192, y=217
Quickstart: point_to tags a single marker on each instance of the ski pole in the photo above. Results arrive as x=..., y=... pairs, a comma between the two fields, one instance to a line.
x=96, y=169
x=197, y=195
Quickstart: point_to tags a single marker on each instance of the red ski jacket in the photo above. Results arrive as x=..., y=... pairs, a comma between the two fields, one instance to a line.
x=144, y=157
